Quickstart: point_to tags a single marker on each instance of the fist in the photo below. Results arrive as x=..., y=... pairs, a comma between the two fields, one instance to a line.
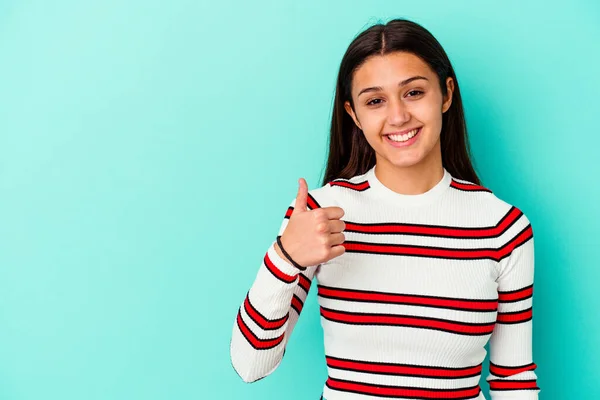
x=312, y=237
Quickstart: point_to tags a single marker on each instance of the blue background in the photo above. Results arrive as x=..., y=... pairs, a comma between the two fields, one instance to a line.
x=149, y=150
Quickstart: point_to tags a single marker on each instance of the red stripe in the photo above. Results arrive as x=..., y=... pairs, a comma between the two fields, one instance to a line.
x=402, y=369
x=289, y=212
x=275, y=271
x=442, y=231
x=312, y=203
x=399, y=391
x=440, y=252
x=408, y=320
x=513, y=385
x=356, y=186
x=515, y=295
x=469, y=187
x=503, y=371
x=521, y=238
x=514, y=317
x=264, y=323
x=304, y=282
x=297, y=304
x=259, y=344
x=380, y=297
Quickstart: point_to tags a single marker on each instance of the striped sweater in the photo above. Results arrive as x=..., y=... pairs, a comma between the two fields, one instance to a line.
x=425, y=281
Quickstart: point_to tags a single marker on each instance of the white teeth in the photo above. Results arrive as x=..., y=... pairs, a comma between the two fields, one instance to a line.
x=405, y=137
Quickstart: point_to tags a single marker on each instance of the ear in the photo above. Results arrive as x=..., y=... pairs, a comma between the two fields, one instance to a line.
x=449, y=92
x=350, y=111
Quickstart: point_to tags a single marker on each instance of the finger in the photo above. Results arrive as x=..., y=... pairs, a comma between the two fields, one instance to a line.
x=337, y=251
x=301, y=197
x=334, y=212
x=336, y=225
x=336, y=238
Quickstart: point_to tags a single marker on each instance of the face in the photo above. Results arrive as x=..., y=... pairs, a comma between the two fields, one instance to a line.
x=398, y=105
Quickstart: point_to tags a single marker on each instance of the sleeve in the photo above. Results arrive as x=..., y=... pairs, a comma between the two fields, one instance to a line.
x=511, y=373
x=268, y=314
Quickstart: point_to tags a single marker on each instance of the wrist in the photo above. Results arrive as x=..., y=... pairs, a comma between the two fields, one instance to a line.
x=280, y=253
x=279, y=248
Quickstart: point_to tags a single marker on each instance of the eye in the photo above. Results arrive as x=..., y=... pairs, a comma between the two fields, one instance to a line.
x=373, y=102
x=418, y=92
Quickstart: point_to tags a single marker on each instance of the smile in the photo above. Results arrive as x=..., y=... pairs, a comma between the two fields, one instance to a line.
x=403, y=140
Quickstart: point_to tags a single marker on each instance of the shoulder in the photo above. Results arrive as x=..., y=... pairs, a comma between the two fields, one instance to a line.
x=482, y=200
x=462, y=185
x=334, y=192
x=358, y=183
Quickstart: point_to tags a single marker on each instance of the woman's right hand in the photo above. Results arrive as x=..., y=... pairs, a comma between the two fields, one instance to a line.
x=312, y=237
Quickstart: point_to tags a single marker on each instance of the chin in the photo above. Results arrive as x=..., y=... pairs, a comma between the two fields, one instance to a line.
x=406, y=164
x=408, y=158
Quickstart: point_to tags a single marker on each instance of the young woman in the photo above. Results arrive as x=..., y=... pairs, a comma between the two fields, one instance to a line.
x=417, y=265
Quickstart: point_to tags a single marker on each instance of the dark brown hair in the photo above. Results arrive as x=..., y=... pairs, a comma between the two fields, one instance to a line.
x=349, y=152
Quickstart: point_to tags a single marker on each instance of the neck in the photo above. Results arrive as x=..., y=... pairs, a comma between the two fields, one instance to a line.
x=411, y=180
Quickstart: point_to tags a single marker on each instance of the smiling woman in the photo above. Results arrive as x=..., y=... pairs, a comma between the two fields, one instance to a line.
x=418, y=265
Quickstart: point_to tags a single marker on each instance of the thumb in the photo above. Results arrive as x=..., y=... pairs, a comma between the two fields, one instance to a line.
x=302, y=197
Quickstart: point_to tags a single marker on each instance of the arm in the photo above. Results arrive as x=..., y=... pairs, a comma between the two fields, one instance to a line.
x=511, y=375
x=267, y=316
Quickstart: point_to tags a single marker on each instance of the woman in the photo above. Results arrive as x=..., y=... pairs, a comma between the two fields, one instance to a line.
x=417, y=264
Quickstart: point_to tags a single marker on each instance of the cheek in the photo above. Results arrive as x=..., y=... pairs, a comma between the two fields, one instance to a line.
x=430, y=115
x=428, y=111
x=372, y=121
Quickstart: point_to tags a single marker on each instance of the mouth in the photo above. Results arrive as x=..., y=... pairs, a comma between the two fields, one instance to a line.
x=405, y=139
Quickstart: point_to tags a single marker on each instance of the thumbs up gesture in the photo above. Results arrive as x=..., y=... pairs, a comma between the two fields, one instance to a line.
x=312, y=237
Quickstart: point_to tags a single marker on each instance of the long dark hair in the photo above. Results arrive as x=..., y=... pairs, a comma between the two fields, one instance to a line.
x=349, y=152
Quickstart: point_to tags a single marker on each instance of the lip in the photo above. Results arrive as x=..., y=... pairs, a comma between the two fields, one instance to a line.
x=402, y=132
x=409, y=142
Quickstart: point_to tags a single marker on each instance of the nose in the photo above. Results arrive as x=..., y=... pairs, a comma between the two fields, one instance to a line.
x=398, y=113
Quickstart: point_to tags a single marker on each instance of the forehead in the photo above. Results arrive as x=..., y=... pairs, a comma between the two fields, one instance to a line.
x=389, y=69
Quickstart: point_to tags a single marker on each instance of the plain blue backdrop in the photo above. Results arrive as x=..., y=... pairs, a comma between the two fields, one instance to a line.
x=149, y=149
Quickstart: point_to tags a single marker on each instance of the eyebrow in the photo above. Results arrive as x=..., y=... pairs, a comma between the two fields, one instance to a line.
x=378, y=88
